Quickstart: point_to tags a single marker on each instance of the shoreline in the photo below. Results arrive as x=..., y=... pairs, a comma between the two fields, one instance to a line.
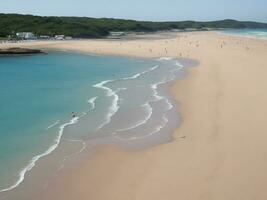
x=53, y=147
x=207, y=108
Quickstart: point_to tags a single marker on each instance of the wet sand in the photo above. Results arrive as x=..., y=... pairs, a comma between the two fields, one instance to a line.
x=218, y=152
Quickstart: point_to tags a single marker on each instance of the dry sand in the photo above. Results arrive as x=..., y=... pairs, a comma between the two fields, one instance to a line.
x=218, y=153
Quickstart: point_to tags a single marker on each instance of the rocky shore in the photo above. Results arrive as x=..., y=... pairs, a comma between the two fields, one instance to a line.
x=19, y=51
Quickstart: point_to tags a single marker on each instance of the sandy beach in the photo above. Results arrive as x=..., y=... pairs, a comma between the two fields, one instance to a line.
x=219, y=151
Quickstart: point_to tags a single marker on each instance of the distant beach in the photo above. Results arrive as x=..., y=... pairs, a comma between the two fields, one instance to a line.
x=218, y=150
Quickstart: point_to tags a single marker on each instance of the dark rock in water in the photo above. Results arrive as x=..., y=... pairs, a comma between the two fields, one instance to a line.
x=19, y=51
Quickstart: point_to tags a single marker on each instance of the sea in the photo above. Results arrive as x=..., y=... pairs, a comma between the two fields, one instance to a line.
x=58, y=104
x=252, y=33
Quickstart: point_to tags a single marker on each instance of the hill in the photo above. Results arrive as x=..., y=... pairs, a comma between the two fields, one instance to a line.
x=85, y=27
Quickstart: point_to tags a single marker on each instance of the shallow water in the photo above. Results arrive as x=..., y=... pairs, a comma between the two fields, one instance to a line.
x=119, y=100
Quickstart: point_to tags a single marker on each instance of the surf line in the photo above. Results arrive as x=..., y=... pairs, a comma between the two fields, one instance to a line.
x=34, y=160
x=53, y=125
x=158, y=97
x=112, y=110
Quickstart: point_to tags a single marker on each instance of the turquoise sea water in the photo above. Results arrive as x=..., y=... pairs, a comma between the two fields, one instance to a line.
x=256, y=33
x=111, y=96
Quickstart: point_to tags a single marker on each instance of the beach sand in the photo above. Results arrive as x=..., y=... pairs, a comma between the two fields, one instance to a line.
x=219, y=151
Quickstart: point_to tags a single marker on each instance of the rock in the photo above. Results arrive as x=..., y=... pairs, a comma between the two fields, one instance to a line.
x=20, y=51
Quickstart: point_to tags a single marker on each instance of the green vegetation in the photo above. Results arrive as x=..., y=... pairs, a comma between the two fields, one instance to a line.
x=84, y=27
x=3, y=38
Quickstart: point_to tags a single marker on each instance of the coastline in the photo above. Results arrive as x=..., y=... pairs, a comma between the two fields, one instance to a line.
x=205, y=151
x=34, y=167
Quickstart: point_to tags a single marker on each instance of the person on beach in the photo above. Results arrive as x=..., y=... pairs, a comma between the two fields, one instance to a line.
x=73, y=114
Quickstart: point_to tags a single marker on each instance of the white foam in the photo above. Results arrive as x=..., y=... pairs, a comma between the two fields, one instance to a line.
x=92, y=102
x=165, y=58
x=53, y=125
x=101, y=86
x=114, y=105
x=33, y=161
x=179, y=65
x=149, y=111
x=141, y=73
x=110, y=93
x=132, y=77
x=153, y=68
x=154, y=87
x=158, y=97
x=157, y=130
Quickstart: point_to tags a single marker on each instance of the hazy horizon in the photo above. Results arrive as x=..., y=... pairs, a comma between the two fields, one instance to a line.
x=169, y=10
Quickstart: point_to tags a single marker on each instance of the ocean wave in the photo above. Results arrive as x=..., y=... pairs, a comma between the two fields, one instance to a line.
x=92, y=102
x=114, y=105
x=33, y=161
x=157, y=130
x=155, y=86
x=111, y=93
x=165, y=58
x=149, y=111
x=179, y=65
x=158, y=97
x=53, y=125
x=148, y=107
x=140, y=74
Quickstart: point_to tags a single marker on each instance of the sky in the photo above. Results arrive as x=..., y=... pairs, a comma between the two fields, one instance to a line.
x=152, y=10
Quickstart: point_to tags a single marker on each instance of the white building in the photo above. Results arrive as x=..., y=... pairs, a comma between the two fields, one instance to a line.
x=59, y=37
x=26, y=35
x=117, y=33
x=44, y=37
x=68, y=38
